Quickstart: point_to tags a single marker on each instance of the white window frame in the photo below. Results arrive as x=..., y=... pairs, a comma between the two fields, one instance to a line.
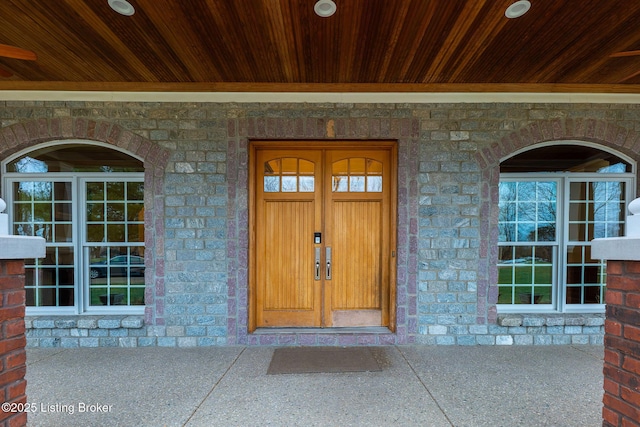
x=81, y=266
x=564, y=180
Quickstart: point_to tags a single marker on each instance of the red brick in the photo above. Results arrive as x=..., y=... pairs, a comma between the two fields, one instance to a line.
x=614, y=268
x=626, y=422
x=621, y=377
x=614, y=297
x=611, y=387
x=13, y=328
x=612, y=357
x=632, y=332
x=8, y=377
x=631, y=364
x=16, y=297
x=621, y=406
x=632, y=300
x=9, y=313
x=622, y=314
x=14, y=267
x=623, y=283
x=16, y=359
x=630, y=396
x=11, y=282
x=16, y=390
x=632, y=267
x=612, y=327
x=610, y=416
x=622, y=345
x=8, y=345
x=18, y=420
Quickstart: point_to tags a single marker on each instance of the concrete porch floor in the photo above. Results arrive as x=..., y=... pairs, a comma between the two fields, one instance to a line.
x=228, y=386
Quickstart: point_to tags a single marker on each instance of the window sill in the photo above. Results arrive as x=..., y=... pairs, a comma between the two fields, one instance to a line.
x=565, y=319
x=84, y=322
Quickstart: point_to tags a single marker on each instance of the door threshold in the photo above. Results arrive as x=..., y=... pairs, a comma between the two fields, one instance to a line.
x=345, y=330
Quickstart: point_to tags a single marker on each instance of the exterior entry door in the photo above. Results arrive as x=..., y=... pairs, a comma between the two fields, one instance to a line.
x=323, y=237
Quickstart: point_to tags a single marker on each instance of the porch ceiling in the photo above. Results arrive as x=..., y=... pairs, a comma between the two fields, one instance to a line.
x=282, y=45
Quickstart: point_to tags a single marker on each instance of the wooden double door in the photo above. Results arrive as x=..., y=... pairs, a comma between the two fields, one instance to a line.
x=323, y=240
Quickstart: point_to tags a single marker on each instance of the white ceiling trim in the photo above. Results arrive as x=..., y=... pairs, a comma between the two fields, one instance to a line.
x=324, y=97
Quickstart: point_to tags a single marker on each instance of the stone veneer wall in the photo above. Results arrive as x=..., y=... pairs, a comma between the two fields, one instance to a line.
x=196, y=159
x=622, y=345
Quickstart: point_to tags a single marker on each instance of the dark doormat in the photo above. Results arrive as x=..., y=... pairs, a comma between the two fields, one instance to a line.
x=300, y=360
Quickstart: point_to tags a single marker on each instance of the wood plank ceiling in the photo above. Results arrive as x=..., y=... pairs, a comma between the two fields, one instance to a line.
x=367, y=45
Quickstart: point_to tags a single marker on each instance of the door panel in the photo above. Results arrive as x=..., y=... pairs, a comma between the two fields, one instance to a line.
x=343, y=194
x=290, y=282
x=357, y=226
x=287, y=215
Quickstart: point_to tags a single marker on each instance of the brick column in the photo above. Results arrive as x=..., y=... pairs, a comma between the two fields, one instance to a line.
x=12, y=341
x=13, y=251
x=622, y=324
x=622, y=345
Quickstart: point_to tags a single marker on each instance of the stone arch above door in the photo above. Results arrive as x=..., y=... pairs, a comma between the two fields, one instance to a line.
x=22, y=135
x=598, y=131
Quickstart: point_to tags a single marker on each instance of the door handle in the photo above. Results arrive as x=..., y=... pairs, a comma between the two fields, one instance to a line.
x=328, y=258
x=317, y=270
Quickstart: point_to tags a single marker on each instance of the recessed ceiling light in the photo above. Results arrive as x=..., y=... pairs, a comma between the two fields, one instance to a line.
x=325, y=8
x=123, y=7
x=517, y=9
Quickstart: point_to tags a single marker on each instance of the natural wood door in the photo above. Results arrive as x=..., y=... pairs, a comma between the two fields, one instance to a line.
x=357, y=226
x=342, y=279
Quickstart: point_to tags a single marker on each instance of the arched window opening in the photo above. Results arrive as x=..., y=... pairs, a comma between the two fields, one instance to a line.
x=87, y=201
x=565, y=158
x=552, y=202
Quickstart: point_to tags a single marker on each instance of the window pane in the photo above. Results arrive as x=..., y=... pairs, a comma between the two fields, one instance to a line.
x=289, y=166
x=135, y=191
x=271, y=184
x=306, y=167
x=340, y=183
x=95, y=191
x=356, y=184
x=306, y=184
x=115, y=211
x=565, y=158
x=340, y=167
x=527, y=211
x=115, y=190
x=272, y=167
x=356, y=166
x=374, y=167
x=289, y=184
x=75, y=158
x=374, y=184
x=114, y=272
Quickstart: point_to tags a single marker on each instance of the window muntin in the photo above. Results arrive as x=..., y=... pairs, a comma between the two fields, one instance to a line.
x=356, y=175
x=114, y=242
x=289, y=175
x=44, y=209
x=527, y=228
x=588, y=205
x=596, y=210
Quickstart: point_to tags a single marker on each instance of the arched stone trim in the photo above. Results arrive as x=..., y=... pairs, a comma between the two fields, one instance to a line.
x=30, y=133
x=239, y=132
x=602, y=132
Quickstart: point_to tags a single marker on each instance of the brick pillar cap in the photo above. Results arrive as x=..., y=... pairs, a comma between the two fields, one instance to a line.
x=616, y=248
x=21, y=247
